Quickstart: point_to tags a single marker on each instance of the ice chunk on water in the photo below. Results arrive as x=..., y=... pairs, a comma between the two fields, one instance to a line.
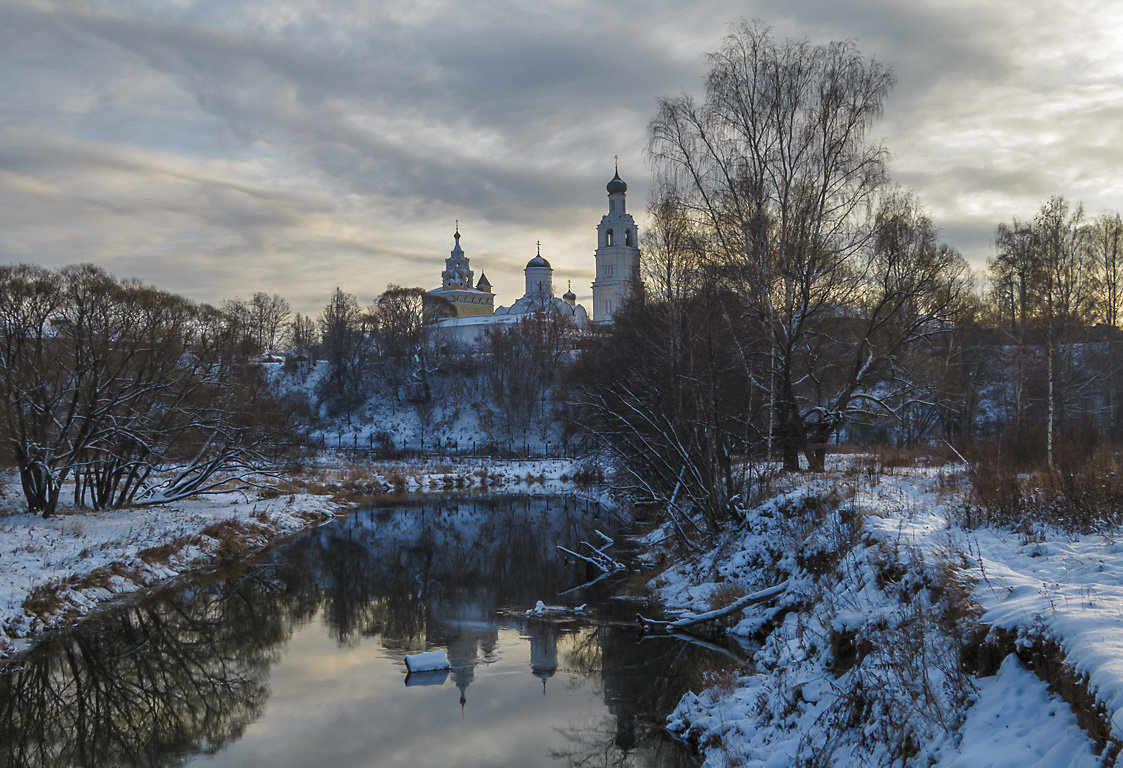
x=425, y=662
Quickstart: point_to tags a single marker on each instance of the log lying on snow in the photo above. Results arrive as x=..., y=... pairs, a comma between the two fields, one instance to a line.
x=743, y=602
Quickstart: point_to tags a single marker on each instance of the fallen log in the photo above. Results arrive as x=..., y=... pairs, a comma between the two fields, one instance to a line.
x=738, y=604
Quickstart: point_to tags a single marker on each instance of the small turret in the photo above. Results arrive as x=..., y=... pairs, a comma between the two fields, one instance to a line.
x=539, y=276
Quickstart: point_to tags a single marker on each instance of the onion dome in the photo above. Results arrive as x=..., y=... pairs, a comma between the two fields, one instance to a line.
x=617, y=186
x=569, y=297
x=538, y=261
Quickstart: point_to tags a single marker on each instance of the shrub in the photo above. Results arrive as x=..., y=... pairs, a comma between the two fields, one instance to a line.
x=1082, y=492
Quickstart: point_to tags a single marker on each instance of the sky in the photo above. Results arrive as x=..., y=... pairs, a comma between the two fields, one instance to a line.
x=217, y=148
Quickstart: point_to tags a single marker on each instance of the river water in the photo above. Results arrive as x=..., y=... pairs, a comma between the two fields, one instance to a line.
x=296, y=657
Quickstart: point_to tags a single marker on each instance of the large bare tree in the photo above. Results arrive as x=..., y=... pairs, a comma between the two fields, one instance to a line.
x=840, y=274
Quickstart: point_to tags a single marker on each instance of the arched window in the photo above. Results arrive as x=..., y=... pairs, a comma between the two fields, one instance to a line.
x=628, y=237
x=609, y=237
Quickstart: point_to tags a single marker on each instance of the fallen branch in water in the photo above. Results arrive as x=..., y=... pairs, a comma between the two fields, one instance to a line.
x=599, y=558
x=743, y=602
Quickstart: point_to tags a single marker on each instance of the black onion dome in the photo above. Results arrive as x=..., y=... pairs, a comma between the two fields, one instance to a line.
x=617, y=186
x=538, y=261
x=569, y=295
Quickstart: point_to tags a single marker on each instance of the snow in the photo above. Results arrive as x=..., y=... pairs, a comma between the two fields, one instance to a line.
x=1016, y=723
x=883, y=588
x=427, y=661
x=541, y=609
x=89, y=557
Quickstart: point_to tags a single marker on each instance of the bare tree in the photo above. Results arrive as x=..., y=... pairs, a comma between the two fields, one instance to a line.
x=524, y=363
x=1107, y=239
x=1062, y=240
x=345, y=341
x=776, y=167
x=268, y=318
x=136, y=395
x=302, y=334
x=1016, y=280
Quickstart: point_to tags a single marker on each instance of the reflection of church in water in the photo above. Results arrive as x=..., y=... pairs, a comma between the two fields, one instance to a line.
x=469, y=304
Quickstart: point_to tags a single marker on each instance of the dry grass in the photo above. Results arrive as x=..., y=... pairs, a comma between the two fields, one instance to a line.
x=234, y=537
x=45, y=600
x=162, y=553
x=886, y=459
x=726, y=593
x=51, y=599
x=1083, y=492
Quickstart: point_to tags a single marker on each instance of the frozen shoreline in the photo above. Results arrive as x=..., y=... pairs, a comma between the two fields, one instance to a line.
x=55, y=571
x=863, y=664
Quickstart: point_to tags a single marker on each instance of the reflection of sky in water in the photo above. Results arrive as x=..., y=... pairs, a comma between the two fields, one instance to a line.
x=295, y=659
x=349, y=706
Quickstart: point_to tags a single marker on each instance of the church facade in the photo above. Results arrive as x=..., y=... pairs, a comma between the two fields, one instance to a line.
x=467, y=309
x=457, y=289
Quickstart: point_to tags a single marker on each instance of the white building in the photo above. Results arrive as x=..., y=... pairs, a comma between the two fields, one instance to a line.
x=457, y=289
x=617, y=254
x=539, y=295
x=617, y=271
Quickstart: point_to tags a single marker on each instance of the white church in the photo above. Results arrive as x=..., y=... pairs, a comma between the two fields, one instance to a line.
x=617, y=269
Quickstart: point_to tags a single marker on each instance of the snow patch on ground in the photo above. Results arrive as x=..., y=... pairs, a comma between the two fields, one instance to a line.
x=54, y=570
x=1016, y=723
x=861, y=662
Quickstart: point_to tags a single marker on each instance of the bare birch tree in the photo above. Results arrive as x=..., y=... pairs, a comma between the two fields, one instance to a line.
x=776, y=165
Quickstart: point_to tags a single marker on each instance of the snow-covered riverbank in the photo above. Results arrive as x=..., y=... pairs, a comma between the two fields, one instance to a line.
x=54, y=571
x=884, y=648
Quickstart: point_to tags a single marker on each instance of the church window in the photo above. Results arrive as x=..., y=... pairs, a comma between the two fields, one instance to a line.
x=608, y=269
x=627, y=237
x=609, y=237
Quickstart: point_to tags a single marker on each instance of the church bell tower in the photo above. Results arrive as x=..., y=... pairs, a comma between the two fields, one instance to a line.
x=617, y=254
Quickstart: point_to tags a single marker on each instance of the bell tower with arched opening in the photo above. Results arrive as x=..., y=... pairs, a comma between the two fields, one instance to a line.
x=617, y=254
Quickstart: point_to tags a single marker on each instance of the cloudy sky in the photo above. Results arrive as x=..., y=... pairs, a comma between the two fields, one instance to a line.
x=218, y=147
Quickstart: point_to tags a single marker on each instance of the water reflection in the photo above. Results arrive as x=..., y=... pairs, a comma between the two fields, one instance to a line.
x=296, y=657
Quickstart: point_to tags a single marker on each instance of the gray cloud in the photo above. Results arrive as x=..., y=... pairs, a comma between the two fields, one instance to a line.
x=280, y=145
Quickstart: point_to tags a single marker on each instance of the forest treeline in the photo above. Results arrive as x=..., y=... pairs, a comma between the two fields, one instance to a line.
x=791, y=297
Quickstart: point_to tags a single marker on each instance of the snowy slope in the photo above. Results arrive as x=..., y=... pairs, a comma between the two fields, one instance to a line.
x=862, y=663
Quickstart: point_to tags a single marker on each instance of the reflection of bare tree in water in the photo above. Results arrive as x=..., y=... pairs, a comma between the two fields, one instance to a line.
x=637, y=677
x=594, y=747
x=185, y=671
x=147, y=686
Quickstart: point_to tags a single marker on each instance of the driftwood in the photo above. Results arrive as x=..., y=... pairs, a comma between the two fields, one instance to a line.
x=743, y=602
x=598, y=557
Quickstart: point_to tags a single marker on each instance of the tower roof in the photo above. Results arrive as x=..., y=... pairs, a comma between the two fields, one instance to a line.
x=538, y=261
x=617, y=186
x=483, y=282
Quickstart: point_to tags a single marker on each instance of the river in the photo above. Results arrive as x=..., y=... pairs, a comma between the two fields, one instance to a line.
x=295, y=658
